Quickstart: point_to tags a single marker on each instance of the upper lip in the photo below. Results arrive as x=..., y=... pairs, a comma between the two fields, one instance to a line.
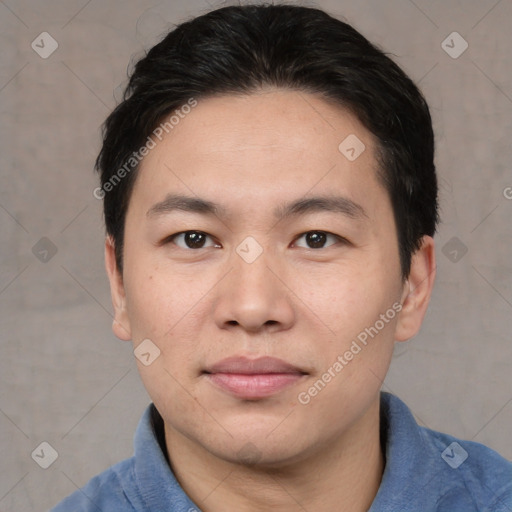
x=247, y=366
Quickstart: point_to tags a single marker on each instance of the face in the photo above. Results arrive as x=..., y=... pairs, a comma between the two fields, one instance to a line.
x=256, y=257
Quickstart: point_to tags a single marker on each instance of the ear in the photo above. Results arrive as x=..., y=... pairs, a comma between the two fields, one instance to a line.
x=121, y=324
x=417, y=290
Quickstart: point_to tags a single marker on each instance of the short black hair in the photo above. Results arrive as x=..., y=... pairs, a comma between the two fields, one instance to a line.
x=241, y=49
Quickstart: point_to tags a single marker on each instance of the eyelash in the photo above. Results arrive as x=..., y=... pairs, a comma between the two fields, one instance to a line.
x=171, y=239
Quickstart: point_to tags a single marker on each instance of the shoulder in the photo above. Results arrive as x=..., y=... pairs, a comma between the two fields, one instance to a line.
x=470, y=471
x=435, y=472
x=105, y=491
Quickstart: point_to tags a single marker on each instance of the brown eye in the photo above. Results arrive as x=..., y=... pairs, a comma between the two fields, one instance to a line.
x=317, y=240
x=192, y=240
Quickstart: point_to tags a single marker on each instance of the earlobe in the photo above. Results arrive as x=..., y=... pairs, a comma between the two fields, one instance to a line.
x=417, y=290
x=121, y=323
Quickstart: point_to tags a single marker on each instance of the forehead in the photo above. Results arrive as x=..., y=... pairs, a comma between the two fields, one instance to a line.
x=273, y=118
x=271, y=145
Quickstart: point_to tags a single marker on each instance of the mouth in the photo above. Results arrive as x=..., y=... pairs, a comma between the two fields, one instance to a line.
x=253, y=379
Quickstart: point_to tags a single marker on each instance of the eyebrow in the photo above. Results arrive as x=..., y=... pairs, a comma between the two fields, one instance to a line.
x=174, y=202
x=338, y=204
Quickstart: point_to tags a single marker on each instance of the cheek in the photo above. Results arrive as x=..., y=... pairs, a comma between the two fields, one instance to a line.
x=170, y=307
x=155, y=301
x=347, y=298
x=348, y=305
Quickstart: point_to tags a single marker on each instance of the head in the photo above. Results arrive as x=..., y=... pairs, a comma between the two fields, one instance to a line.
x=277, y=198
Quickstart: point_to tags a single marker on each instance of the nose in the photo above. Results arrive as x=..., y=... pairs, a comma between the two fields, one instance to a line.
x=254, y=297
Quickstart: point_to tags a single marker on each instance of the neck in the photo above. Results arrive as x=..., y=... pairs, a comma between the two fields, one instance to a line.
x=344, y=475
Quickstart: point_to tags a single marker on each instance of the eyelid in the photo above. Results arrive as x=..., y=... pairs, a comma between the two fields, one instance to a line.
x=171, y=239
x=338, y=238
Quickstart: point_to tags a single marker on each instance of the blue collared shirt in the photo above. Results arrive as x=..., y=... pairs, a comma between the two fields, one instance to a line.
x=425, y=471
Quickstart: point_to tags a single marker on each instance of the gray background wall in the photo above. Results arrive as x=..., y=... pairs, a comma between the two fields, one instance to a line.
x=66, y=380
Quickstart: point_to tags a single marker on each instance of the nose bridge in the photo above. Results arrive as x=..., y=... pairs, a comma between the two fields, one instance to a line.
x=251, y=260
x=252, y=279
x=252, y=296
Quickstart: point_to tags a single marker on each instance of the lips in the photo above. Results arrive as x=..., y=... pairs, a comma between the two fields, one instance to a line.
x=247, y=366
x=253, y=378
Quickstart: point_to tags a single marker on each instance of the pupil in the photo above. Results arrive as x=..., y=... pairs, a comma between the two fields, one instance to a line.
x=316, y=239
x=194, y=240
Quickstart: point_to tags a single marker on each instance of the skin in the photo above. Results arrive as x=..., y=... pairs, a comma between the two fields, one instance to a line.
x=250, y=154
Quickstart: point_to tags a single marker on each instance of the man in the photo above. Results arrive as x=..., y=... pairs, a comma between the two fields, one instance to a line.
x=270, y=200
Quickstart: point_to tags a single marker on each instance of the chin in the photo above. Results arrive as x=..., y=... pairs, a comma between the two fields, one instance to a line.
x=260, y=456
x=257, y=448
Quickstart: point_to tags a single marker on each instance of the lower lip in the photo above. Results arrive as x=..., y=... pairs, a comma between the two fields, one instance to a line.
x=254, y=386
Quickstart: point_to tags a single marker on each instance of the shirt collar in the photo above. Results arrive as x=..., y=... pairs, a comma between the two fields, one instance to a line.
x=158, y=487
x=404, y=452
x=400, y=437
